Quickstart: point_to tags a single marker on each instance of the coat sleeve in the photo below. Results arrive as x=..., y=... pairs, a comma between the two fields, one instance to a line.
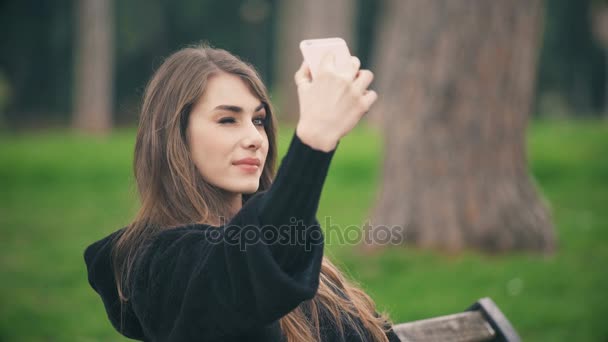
x=201, y=282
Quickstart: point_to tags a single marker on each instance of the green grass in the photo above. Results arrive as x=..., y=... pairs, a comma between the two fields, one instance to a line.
x=60, y=191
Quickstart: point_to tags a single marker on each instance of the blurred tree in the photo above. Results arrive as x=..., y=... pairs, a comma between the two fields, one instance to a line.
x=599, y=19
x=572, y=74
x=36, y=60
x=93, y=86
x=366, y=23
x=300, y=20
x=456, y=81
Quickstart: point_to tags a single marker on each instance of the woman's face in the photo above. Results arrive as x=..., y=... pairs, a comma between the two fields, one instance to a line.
x=226, y=126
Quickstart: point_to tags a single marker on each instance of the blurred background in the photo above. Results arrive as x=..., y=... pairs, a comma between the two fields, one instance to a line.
x=489, y=144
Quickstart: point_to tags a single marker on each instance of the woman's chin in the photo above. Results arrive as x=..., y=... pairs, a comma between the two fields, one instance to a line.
x=251, y=190
x=247, y=188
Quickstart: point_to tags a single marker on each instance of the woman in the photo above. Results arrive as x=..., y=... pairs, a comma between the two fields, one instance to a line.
x=218, y=250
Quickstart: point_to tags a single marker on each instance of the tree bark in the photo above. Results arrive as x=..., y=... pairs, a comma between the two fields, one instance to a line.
x=300, y=20
x=94, y=69
x=456, y=81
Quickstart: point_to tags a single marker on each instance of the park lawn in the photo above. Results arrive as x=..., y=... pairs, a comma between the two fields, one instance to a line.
x=61, y=191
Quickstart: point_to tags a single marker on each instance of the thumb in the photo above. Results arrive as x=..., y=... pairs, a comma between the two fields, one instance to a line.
x=303, y=75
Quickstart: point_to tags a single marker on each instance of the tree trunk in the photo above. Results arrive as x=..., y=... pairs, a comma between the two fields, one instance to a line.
x=94, y=70
x=300, y=20
x=599, y=21
x=456, y=81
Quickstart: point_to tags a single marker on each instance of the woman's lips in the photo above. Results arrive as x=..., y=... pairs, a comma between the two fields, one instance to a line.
x=248, y=167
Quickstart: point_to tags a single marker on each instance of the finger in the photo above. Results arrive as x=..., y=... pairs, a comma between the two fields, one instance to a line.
x=369, y=98
x=363, y=80
x=303, y=75
x=328, y=62
x=356, y=63
x=351, y=70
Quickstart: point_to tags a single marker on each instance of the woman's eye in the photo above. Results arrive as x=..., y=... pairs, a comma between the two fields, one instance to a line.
x=226, y=120
x=257, y=121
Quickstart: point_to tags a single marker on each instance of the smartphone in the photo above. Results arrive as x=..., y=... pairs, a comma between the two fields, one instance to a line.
x=314, y=49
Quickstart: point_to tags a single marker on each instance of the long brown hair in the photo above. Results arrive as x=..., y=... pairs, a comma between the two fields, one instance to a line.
x=172, y=192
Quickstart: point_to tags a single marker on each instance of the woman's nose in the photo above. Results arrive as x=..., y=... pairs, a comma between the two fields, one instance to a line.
x=253, y=138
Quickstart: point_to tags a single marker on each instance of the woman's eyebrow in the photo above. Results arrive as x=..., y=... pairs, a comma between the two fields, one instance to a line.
x=237, y=109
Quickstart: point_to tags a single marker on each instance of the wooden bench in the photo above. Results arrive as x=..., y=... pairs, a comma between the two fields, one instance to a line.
x=483, y=321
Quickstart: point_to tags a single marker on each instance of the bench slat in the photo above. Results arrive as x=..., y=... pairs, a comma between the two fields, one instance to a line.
x=469, y=326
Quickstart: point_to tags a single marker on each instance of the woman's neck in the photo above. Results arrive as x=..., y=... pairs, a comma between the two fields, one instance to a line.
x=235, y=203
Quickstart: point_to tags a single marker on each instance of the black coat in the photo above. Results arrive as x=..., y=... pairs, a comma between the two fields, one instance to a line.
x=228, y=283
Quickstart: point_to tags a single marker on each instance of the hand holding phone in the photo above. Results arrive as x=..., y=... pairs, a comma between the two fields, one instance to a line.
x=313, y=51
x=331, y=105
